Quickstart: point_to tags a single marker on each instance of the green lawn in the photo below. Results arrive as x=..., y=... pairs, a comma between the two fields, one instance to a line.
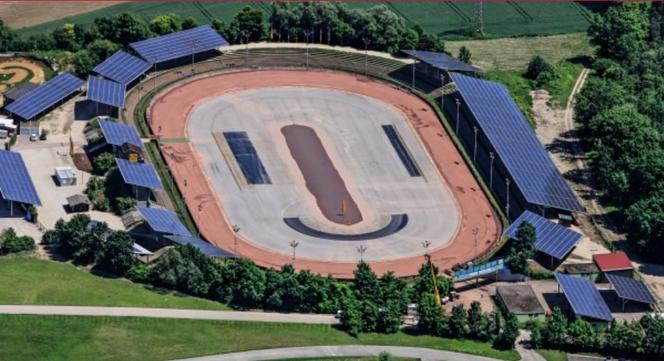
x=26, y=337
x=25, y=279
x=452, y=20
x=561, y=87
x=346, y=359
x=553, y=355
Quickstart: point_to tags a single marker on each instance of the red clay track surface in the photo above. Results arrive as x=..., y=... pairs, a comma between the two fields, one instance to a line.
x=321, y=177
x=170, y=113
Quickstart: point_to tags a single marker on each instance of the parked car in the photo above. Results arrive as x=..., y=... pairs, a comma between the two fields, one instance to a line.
x=33, y=137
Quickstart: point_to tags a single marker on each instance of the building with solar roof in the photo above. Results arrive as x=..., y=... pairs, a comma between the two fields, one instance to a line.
x=16, y=186
x=583, y=299
x=503, y=145
x=44, y=98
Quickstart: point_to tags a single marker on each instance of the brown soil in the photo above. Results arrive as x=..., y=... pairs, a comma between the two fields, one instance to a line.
x=171, y=109
x=19, y=14
x=321, y=177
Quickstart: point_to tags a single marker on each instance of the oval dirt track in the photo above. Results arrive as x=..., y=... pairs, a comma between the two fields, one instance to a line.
x=170, y=113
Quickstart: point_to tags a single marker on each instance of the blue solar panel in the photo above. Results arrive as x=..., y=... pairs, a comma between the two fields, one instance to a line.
x=122, y=67
x=205, y=247
x=139, y=174
x=584, y=297
x=551, y=238
x=247, y=158
x=179, y=44
x=163, y=220
x=631, y=289
x=515, y=143
x=118, y=134
x=15, y=182
x=45, y=96
x=106, y=92
x=440, y=61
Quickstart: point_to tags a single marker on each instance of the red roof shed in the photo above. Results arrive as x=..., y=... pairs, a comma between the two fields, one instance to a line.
x=610, y=262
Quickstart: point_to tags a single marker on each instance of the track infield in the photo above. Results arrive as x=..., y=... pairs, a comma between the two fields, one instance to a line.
x=171, y=114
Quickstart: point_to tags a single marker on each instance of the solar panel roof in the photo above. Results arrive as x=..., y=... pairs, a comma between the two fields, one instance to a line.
x=45, y=96
x=515, y=143
x=551, y=238
x=440, y=61
x=631, y=289
x=584, y=297
x=15, y=182
x=163, y=220
x=139, y=174
x=106, y=92
x=118, y=133
x=205, y=247
x=179, y=44
x=122, y=67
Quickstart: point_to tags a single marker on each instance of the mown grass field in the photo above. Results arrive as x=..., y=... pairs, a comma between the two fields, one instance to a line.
x=27, y=280
x=449, y=19
x=346, y=359
x=29, y=338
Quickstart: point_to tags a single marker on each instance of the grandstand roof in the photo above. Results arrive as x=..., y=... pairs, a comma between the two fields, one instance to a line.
x=179, y=44
x=45, y=96
x=441, y=61
x=515, y=143
x=122, y=67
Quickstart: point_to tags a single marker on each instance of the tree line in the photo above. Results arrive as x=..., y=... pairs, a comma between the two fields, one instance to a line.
x=643, y=338
x=621, y=117
x=80, y=48
x=370, y=303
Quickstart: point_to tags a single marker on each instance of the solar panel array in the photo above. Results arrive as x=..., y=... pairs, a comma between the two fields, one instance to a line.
x=479, y=270
x=45, y=96
x=15, y=182
x=584, y=297
x=106, y=92
x=179, y=44
x=139, y=174
x=515, y=143
x=551, y=238
x=122, y=67
x=163, y=220
x=118, y=134
x=631, y=289
x=440, y=61
x=205, y=247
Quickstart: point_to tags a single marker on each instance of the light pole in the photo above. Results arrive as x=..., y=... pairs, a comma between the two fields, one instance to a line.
x=507, y=203
x=294, y=245
x=307, y=34
x=236, y=229
x=245, y=34
x=475, y=144
x=442, y=90
x=361, y=249
x=458, y=104
x=426, y=245
x=492, y=157
x=475, y=232
x=366, y=41
x=193, y=53
x=413, y=68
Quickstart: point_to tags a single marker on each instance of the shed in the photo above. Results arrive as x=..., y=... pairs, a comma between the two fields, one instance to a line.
x=616, y=263
x=65, y=176
x=78, y=203
x=521, y=301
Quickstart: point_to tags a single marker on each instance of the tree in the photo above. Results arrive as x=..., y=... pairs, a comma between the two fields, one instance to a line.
x=83, y=62
x=189, y=23
x=554, y=332
x=409, y=39
x=122, y=29
x=366, y=285
x=165, y=24
x=248, y=23
x=539, y=71
x=432, y=320
x=104, y=162
x=464, y=55
x=653, y=342
x=389, y=318
x=478, y=322
x=620, y=33
x=522, y=248
x=506, y=339
x=583, y=335
x=597, y=95
x=431, y=42
x=457, y=323
x=116, y=254
x=7, y=37
x=625, y=338
x=242, y=284
x=124, y=204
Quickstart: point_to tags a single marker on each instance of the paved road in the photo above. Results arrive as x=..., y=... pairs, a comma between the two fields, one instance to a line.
x=169, y=313
x=425, y=354
x=524, y=350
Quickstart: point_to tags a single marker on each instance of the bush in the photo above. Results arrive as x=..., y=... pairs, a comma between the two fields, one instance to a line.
x=540, y=71
x=11, y=243
x=104, y=162
x=139, y=273
x=124, y=204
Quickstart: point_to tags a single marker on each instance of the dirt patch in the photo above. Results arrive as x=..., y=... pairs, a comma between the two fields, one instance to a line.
x=321, y=177
x=19, y=14
x=22, y=69
x=173, y=106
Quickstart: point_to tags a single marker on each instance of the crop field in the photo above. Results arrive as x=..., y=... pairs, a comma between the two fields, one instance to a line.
x=449, y=19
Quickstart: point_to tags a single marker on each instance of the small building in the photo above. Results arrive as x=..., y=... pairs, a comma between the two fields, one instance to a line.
x=584, y=270
x=131, y=152
x=18, y=92
x=65, y=176
x=78, y=203
x=616, y=263
x=521, y=301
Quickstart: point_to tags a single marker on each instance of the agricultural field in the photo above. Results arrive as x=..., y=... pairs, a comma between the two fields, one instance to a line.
x=19, y=14
x=28, y=337
x=452, y=20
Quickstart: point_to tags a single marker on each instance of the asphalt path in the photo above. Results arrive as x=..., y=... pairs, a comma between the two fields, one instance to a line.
x=424, y=354
x=168, y=313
